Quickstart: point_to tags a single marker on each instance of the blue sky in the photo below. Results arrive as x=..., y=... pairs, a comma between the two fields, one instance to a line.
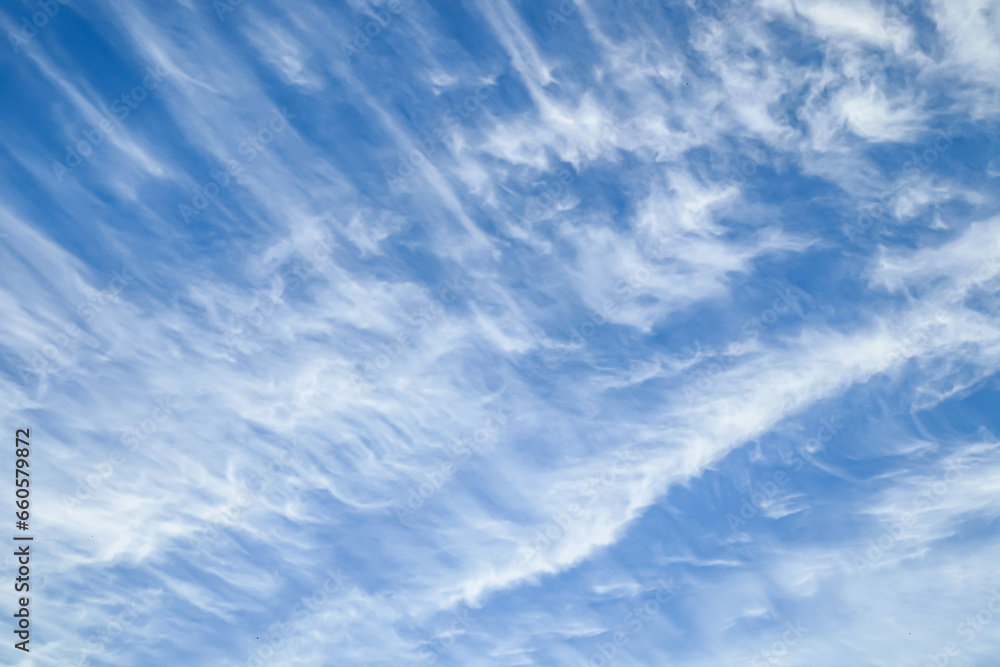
x=505, y=333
